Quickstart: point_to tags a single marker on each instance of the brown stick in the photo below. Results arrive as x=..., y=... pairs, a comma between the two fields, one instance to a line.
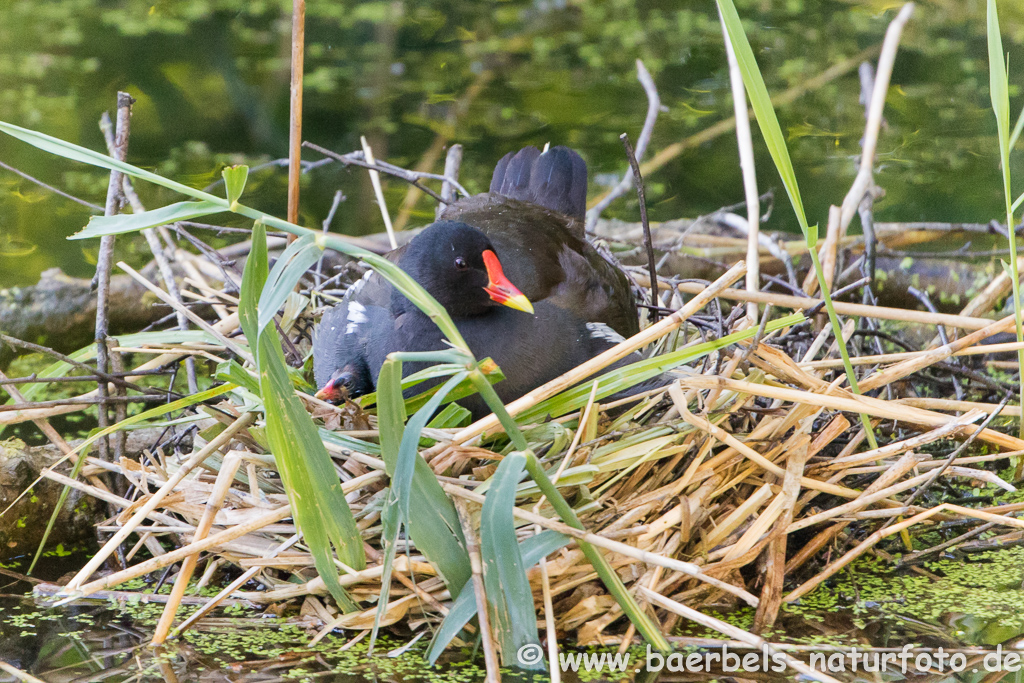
x=652, y=268
x=602, y=360
x=106, y=257
x=295, y=116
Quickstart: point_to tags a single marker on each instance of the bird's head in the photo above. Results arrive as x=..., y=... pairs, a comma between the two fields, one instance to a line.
x=459, y=267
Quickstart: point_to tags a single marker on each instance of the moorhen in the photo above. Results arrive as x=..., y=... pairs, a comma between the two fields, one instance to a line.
x=521, y=242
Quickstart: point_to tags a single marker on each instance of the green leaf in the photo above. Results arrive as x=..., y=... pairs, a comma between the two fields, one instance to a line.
x=762, y=106
x=318, y=505
x=509, y=597
x=231, y=371
x=234, y=182
x=453, y=416
x=396, y=511
x=75, y=152
x=253, y=278
x=532, y=548
x=314, y=489
x=433, y=522
x=132, y=222
x=293, y=264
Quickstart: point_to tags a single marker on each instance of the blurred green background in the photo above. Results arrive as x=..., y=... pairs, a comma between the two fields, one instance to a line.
x=211, y=80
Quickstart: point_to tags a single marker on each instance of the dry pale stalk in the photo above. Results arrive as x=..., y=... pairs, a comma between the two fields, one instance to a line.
x=799, y=303
x=225, y=478
x=912, y=365
x=849, y=403
x=117, y=539
x=733, y=632
x=174, y=556
x=637, y=554
x=581, y=372
x=874, y=538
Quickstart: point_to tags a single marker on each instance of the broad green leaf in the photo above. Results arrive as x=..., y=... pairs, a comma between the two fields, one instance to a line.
x=75, y=152
x=314, y=489
x=451, y=417
x=509, y=597
x=234, y=182
x=133, y=222
x=464, y=608
x=294, y=262
x=253, y=278
x=433, y=523
x=408, y=454
x=349, y=442
x=318, y=504
x=396, y=510
x=230, y=371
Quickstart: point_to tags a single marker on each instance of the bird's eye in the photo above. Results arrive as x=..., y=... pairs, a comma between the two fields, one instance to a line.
x=460, y=263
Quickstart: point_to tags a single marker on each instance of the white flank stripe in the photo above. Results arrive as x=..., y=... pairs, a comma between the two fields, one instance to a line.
x=356, y=316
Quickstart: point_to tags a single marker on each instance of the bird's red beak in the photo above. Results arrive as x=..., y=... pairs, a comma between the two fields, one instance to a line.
x=500, y=289
x=330, y=393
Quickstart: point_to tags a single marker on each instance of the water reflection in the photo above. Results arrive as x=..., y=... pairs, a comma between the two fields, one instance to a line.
x=210, y=79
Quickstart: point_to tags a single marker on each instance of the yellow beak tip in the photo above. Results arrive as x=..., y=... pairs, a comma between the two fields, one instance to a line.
x=520, y=303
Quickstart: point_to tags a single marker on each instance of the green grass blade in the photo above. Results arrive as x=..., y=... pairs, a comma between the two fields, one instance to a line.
x=75, y=152
x=289, y=268
x=509, y=597
x=532, y=549
x=761, y=103
x=999, y=90
x=604, y=570
x=314, y=489
x=121, y=223
x=253, y=278
x=396, y=511
x=408, y=454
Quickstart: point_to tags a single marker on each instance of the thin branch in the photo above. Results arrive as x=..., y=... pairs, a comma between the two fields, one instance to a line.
x=652, y=267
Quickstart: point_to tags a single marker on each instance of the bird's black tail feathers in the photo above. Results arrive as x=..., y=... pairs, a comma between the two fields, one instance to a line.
x=556, y=179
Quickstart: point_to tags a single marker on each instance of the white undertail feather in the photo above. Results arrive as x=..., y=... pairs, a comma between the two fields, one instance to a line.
x=602, y=331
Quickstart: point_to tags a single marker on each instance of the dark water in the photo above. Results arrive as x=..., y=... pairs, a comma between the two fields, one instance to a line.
x=211, y=80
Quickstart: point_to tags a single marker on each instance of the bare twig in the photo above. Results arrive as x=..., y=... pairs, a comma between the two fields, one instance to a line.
x=106, y=254
x=652, y=267
x=89, y=205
